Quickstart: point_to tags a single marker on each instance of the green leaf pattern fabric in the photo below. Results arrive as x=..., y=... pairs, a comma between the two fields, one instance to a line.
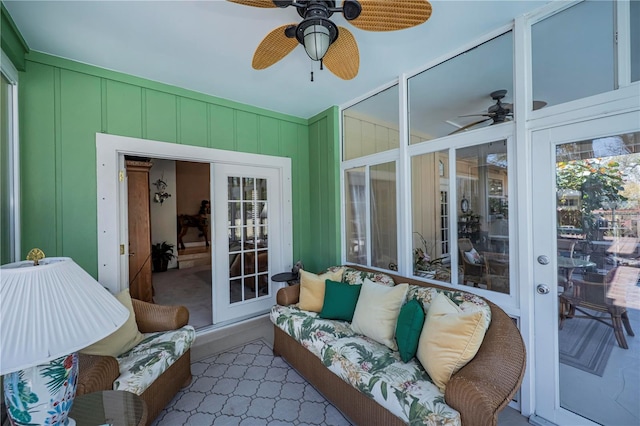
x=355, y=276
x=405, y=389
x=467, y=302
x=145, y=362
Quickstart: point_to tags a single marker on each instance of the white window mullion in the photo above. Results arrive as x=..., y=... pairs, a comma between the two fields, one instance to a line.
x=403, y=186
x=623, y=43
x=367, y=199
x=453, y=215
x=11, y=74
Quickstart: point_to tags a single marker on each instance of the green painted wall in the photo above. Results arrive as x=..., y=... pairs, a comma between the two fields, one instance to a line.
x=324, y=184
x=64, y=103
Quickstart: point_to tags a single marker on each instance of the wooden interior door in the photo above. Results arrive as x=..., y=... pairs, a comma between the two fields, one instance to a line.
x=139, y=220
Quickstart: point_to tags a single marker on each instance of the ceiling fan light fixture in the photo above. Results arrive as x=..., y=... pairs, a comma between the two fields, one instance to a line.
x=316, y=35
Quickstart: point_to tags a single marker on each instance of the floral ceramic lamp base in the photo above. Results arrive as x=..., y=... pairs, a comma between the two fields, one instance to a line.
x=42, y=395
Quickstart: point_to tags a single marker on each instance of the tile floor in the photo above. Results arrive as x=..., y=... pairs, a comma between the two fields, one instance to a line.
x=247, y=385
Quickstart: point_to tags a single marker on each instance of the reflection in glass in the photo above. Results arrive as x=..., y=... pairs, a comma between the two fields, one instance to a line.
x=429, y=182
x=598, y=241
x=233, y=188
x=440, y=96
x=483, y=215
x=355, y=215
x=371, y=126
x=248, y=232
x=572, y=65
x=384, y=242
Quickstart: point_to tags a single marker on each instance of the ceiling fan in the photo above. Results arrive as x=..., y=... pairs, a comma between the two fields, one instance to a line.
x=324, y=41
x=498, y=112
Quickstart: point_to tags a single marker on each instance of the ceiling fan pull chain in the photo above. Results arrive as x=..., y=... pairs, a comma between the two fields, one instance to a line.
x=321, y=65
x=311, y=75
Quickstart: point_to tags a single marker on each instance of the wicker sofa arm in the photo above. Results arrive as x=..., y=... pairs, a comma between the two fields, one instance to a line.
x=151, y=317
x=487, y=384
x=96, y=373
x=288, y=295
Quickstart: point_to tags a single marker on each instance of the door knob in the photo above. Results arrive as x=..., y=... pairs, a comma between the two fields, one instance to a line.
x=542, y=289
x=543, y=260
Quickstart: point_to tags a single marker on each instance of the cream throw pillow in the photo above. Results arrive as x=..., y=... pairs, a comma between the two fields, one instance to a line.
x=123, y=339
x=450, y=338
x=377, y=311
x=312, y=289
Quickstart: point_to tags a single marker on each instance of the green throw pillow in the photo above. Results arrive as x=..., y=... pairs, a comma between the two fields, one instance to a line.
x=408, y=329
x=339, y=300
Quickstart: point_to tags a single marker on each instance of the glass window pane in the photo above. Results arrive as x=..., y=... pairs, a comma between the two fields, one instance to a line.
x=233, y=187
x=384, y=242
x=573, y=53
x=371, y=126
x=598, y=218
x=442, y=96
x=355, y=215
x=430, y=216
x=635, y=41
x=483, y=215
x=261, y=189
x=248, y=189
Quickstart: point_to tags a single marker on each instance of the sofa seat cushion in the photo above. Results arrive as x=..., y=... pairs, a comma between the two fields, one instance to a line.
x=404, y=389
x=313, y=332
x=140, y=366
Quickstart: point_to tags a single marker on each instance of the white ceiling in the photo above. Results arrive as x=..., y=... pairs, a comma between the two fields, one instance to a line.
x=207, y=46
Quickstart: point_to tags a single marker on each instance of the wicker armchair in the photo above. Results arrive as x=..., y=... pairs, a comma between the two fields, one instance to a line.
x=473, y=272
x=99, y=372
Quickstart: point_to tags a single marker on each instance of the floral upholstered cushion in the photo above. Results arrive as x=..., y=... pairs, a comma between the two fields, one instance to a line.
x=402, y=388
x=140, y=366
x=466, y=302
x=355, y=276
x=308, y=328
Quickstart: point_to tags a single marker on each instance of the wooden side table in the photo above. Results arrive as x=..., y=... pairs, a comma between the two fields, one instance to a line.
x=117, y=408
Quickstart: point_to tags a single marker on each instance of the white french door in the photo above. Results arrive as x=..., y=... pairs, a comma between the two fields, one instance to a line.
x=248, y=237
x=573, y=208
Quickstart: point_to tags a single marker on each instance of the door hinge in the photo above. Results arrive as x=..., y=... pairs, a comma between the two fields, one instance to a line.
x=121, y=176
x=121, y=248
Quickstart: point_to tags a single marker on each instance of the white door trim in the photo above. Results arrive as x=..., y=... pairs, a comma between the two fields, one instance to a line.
x=109, y=148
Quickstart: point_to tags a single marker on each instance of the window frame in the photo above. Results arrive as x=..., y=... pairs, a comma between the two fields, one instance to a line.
x=11, y=74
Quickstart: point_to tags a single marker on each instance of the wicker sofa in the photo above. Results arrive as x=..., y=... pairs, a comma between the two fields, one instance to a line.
x=478, y=391
x=156, y=322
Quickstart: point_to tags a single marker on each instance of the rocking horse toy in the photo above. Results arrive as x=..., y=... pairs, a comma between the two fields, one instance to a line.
x=198, y=221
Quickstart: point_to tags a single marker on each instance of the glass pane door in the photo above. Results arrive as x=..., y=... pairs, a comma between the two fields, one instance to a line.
x=588, y=295
x=247, y=229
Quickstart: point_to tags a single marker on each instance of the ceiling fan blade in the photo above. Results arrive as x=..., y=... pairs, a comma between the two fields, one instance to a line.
x=463, y=128
x=343, y=57
x=477, y=115
x=254, y=3
x=392, y=15
x=536, y=105
x=275, y=46
x=539, y=104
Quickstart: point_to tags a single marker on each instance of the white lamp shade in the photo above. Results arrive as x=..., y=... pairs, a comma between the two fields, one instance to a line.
x=316, y=41
x=51, y=310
